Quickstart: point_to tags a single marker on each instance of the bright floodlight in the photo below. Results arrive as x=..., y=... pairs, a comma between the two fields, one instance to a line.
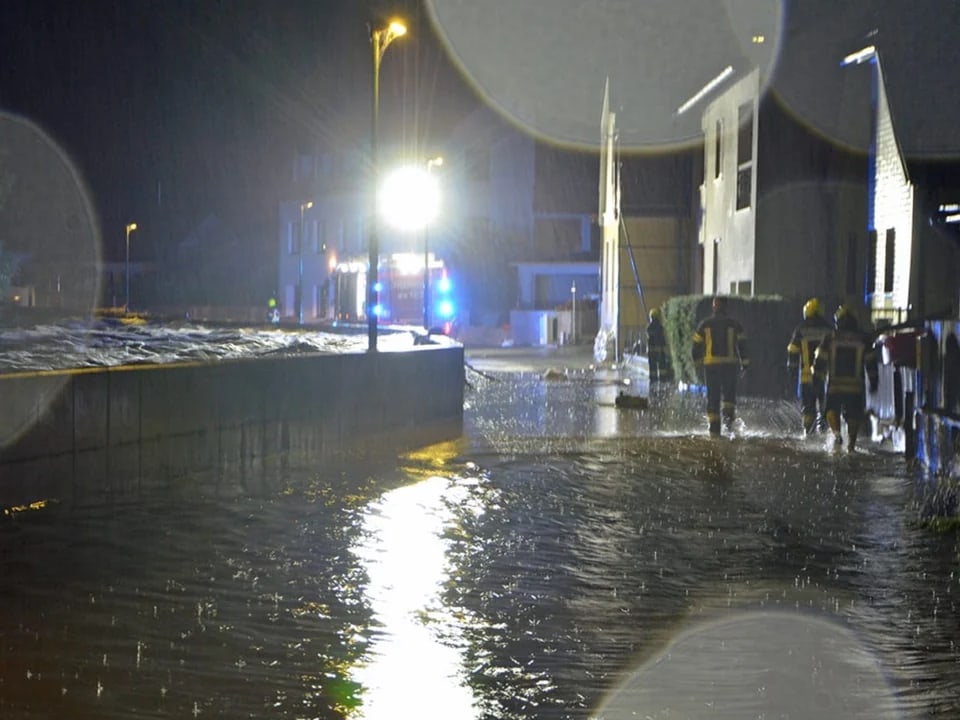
x=409, y=198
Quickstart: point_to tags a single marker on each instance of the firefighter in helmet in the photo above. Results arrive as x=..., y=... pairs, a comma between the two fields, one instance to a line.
x=846, y=361
x=657, y=354
x=273, y=310
x=806, y=337
x=720, y=348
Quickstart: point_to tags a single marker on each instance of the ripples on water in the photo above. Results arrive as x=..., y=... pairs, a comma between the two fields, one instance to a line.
x=106, y=343
x=563, y=557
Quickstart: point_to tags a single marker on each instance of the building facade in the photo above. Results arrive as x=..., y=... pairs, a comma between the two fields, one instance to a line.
x=782, y=208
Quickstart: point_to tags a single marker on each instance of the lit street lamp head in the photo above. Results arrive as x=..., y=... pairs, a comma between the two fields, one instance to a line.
x=382, y=38
x=126, y=300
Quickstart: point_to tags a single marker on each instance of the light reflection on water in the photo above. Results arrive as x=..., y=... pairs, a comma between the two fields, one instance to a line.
x=527, y=571
x=404, y=553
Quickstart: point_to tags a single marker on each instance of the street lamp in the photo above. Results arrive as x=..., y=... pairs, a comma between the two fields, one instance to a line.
x=126, y=303
x=573, y=313
x=379, y=40
x=431, y=163
x=303, y=206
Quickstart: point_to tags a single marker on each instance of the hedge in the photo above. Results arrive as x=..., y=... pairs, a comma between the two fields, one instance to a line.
x=768, y=321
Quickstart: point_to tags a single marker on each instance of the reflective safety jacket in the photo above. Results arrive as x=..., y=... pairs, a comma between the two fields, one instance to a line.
x=720, y=340
x=845, y=358
x=806, y=337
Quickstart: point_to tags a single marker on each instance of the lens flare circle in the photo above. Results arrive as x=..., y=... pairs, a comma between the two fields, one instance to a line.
x=49, y=227
x=758, y=664
x=544, y=63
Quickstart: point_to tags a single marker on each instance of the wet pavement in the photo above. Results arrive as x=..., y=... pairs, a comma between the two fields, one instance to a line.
x=564, y=559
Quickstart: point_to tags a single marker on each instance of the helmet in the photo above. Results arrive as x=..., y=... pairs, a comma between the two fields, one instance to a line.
x=844, y=319
x=811, y=308
x=655, y=314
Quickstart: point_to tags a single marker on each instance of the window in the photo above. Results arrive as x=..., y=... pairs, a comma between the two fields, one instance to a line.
x=888, y=264
x=745, y=155
x=716, y=266
x=717, y=150
x=745, y=287
x=744, y=186
x=870, y=281
x=291, y=239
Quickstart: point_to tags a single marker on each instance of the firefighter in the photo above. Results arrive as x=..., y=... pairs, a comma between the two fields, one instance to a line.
x=657, y=354
x=273, y=310
x=845, y=360
x=806, y=337
x=720, y=348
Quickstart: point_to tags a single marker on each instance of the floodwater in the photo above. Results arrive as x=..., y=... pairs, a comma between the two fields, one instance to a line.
x=564, y=559
x=89, y=342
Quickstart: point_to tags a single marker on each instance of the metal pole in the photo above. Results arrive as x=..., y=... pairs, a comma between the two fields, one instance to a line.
x=573, y=313
x=126, y=300
x=374, y=250
x=300, y=270
x=426, y=277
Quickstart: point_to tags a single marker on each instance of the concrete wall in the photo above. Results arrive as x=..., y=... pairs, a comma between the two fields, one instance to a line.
x=96, y=436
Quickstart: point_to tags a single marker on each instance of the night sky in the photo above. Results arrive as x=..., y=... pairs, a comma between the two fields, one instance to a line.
x=171, y=109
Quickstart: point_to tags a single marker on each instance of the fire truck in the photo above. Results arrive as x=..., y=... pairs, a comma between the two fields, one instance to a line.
x=400, y=290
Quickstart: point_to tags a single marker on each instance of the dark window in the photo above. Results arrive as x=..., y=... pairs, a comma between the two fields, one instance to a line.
x=744, y=287
x=744, y=186
x=701, y=258
x=888, y=265
x=716, y=265
x=745, y=134
x=717, y=154
x=870, y=281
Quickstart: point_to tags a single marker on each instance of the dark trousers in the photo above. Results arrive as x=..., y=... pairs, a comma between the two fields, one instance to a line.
x=812, y=406
x=660, y=368
x=721, y=395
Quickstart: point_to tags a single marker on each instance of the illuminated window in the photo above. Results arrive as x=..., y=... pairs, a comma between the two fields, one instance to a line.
x=291, y=239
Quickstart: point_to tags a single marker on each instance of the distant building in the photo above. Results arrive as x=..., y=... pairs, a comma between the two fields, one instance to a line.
x=781, y=207
x=786, y=211
x=912, y=220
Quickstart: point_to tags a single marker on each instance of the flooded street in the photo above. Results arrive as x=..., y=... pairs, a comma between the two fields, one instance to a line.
x=564, y=559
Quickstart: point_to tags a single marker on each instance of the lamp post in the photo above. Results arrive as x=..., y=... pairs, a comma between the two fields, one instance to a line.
x=573, y=313
x=303, y=206
x=431, y=163
x=379, y=40
x=126, y=303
